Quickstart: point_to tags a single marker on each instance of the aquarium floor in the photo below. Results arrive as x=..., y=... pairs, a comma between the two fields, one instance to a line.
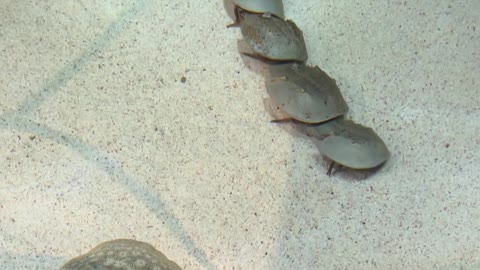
x=139, y=119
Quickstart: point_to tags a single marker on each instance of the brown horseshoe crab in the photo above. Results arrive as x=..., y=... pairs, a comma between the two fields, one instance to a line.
x=306, y=94
x=233, y=7
x=121, y=254
x=272, y=38
x=349, y=144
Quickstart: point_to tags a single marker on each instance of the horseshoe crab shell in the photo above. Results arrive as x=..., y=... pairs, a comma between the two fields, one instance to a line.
x=306, y=94
x=273, y=38
x=351, y=145
x=121, y=254
x=274, y=7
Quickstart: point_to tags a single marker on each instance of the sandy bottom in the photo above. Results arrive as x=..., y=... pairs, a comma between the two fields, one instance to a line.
x=139, y=119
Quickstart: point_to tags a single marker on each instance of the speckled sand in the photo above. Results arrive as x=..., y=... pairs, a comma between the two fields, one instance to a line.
x=101, y=138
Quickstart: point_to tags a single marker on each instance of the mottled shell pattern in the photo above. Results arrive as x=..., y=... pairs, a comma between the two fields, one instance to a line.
x=122, y=254
x=273, y=38
x=305, y=93
x=273, y=7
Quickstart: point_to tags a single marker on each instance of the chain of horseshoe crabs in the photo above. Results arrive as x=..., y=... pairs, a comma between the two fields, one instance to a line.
x=304, y=95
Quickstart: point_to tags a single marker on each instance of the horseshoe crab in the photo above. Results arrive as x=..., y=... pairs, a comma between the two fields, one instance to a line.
x=121, y=254
x=350, y=144
x=306, y=94
x=272, y=38
x=233, y=7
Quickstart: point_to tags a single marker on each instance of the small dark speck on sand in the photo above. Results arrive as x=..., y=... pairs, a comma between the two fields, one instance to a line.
x=183, y=79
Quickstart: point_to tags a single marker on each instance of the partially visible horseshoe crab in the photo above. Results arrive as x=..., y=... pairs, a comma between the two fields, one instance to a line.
x=233, y=7
x=122, y=254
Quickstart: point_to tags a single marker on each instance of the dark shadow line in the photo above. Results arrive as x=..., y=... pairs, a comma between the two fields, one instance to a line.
x=72, y=68
x=13, y=260
x=11, y=120
x=103, y=162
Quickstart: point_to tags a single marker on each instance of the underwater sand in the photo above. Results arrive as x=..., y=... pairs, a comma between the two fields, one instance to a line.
x=140, y=120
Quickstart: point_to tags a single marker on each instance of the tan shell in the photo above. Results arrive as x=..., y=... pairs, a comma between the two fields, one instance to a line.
x=351, y=145
x=273, y=38
x=274, y=7
x=305, y=93
x=121, y=254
